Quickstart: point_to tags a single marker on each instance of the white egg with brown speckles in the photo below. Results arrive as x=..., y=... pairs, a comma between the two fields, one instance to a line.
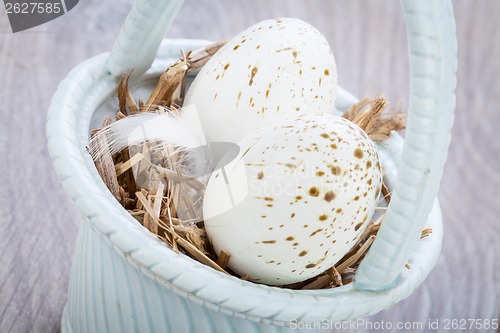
x=271, y=71
x=295, y=200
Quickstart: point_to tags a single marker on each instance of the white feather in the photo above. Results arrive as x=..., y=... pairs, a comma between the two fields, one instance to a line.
x=180, y=132
x=170, y=128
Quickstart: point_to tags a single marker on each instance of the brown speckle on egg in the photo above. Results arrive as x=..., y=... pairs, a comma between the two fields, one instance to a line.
x=315, y=232
x=260, y=175
x=303, y=253
x=289, y=238
x=252, y=74
x=313, y=191
x=310, y=266
x=269, y=241
x=329, y=196
x=336, y=170
x=323, y=217
x=358, y=153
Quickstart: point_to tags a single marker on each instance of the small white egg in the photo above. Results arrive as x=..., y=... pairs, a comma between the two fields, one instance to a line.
x=295, y=200
x=271, y=71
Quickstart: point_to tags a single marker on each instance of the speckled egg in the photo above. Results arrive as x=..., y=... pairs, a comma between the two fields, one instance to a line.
x=295, y=200
x=273, y=70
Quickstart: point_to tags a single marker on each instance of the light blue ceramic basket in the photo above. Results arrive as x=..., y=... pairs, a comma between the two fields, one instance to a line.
x=125, y=280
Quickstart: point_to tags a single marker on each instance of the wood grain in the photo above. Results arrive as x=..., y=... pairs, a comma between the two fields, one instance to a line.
x=38, y=225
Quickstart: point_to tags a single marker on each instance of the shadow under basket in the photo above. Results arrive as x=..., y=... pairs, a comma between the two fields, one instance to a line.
x=124, y=279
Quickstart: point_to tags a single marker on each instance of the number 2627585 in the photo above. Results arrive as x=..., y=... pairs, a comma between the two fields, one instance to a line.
x=33, y=8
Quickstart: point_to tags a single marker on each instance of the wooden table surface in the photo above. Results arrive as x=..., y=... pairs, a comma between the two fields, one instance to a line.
x=39, y=226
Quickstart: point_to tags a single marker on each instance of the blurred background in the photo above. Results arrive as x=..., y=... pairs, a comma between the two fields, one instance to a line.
x=38, y=225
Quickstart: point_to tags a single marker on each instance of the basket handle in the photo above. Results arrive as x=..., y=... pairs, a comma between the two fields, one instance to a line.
x=433, y=61
x=140, y=36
